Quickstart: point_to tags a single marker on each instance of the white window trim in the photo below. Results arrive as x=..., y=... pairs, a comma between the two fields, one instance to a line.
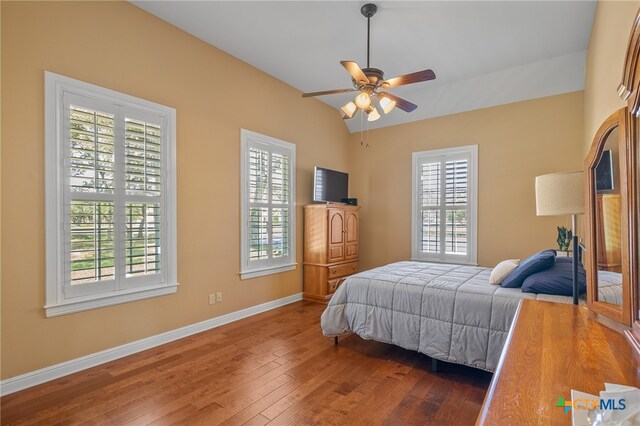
x=56, y=304
x=472, y=244
x=288, y=264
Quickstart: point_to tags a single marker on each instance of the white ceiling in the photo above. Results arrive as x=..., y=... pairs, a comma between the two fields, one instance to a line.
x=484, y=53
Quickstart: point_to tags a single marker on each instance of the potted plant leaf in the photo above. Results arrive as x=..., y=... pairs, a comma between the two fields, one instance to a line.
x=564, y=238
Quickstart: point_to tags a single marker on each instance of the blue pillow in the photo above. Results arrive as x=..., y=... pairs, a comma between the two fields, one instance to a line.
x=564, y=259
x=536, y=263
x=556, y=280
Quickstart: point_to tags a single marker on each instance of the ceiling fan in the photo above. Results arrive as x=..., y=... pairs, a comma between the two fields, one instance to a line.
x=370, y=83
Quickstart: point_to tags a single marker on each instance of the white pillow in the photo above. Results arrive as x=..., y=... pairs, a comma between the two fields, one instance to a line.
x=502, y=271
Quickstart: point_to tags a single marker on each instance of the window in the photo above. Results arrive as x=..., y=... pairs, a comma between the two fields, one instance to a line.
x=445, y=205
x=268, y=205
x=110, y=197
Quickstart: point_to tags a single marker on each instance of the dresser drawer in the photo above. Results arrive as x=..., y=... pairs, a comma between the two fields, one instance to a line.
x=342, y=270
x=332, y=285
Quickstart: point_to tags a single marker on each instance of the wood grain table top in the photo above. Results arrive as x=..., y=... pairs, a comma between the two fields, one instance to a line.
x=553, y=348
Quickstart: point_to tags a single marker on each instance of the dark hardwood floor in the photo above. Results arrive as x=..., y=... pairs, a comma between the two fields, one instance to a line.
x=275, y=368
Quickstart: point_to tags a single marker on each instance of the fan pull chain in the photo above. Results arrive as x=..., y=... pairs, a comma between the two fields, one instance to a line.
x=367, y=135
x=364, y=133
x=361, y=128
x=367, y=145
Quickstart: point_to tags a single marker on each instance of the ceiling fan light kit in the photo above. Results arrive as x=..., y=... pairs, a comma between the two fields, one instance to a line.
x=387, y=104
x=368, y=82
x=349, y=109
x=373, y=115
x=363, y=100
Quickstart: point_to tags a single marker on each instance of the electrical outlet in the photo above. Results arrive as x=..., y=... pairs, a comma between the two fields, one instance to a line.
x=219, y=297
x=212, y=299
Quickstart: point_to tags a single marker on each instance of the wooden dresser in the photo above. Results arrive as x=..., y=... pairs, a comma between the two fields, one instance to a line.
x=331, y=248
x=551, y=349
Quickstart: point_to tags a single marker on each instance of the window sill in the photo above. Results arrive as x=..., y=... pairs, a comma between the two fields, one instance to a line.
x=449, y=262
x=100, y=301
x=253, y=273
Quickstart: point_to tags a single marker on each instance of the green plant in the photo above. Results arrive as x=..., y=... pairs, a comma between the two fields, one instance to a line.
x=564, y=238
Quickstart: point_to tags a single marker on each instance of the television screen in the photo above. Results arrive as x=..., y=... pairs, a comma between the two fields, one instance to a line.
x=604, y=172
x=330, y=185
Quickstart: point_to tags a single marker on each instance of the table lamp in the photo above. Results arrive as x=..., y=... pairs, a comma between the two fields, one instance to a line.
x=560, y=194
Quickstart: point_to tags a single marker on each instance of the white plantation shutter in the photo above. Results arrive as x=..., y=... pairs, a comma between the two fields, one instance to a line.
x=280, y=207
x=456, y=206
x=429, y=196
x=91, y=143
x=268, y=216
x=259, y=174
x=109, y=184
x=88, y=150
x=143, y=157
x=444, y=213
x=144, y=215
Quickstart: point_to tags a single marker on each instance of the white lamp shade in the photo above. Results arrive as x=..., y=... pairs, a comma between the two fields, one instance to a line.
x=387, y=104
x=349, y=109
x=373, y=115
x=560, y=194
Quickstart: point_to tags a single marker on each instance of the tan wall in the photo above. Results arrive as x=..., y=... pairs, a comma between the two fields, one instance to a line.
x=215, y=95
x=516, y=143
x=605, y=60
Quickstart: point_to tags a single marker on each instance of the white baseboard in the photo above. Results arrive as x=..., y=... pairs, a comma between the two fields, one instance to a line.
x=46, y=374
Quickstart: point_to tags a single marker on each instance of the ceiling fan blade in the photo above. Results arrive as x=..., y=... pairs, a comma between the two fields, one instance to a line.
x=415, y=77
x=404, y=105
x=327, y=92
x=355, y=71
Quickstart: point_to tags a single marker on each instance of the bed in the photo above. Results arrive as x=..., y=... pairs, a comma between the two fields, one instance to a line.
x=448, y=312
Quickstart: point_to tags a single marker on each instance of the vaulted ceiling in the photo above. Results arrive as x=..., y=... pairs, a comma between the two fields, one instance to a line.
x=484, y=53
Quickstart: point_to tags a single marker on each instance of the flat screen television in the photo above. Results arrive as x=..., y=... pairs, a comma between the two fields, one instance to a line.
x=604, y=172
x=330, y=185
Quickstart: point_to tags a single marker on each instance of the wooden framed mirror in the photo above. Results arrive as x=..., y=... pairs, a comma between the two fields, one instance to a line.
x=629, y=90
x=607, y=258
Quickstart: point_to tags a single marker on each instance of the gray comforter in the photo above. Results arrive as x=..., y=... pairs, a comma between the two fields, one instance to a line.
x=448, y=312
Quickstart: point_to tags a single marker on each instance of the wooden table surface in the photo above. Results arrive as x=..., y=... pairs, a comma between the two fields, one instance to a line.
x=553, y=348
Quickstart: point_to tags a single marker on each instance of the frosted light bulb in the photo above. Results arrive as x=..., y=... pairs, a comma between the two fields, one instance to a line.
x=363, y=100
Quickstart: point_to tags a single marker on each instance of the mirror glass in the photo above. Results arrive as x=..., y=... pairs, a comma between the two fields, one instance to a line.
x=607, y=216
